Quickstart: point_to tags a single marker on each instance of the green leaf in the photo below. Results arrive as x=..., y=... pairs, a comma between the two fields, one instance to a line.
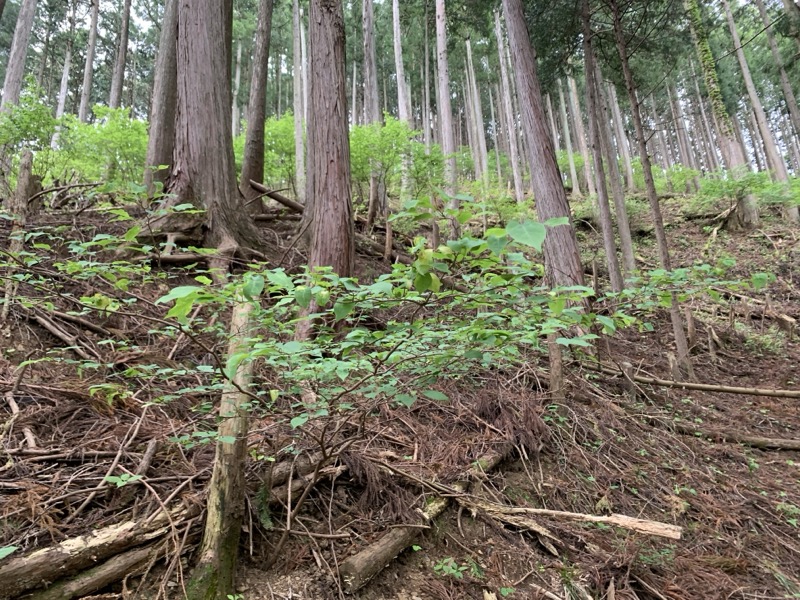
x=293, y=347
x=609, y=327
x=227, y=439
x=761, y=280
x=579, y=341
x=436, y=395
x=203, y=279
x=299, y=421
x=253, y=287
x=436, y=283
x=302, y=294
x=406, y=400
x=6, y=551
x=423, y=282
x=178, y=292
x=527, y=233
x=342, y=309
x=497, y=243
x=556, y=221
x=281, y=279
x=131, y=234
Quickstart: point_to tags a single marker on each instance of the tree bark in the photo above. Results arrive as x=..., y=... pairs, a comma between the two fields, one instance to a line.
x=477, y=116
x=403, y=110
x=746, y=215
x=118, y=76
x=163, y=105
x=508, y=111
x=204, y=172
x=88, y=70
x=427, y=115
x=213, y=576
x=681, y=344
x=332, y=243
x=15, y=68
x=573, y=172
x=446, y=116
x=562, y=258
x=580, y=133
x=299, y=102
x=786, y=86
x=236, y=119
x=622, y=138
x=600, y=143
x=253, y=160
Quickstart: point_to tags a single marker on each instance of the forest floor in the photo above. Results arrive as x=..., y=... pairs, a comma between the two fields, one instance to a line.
x=674, y=456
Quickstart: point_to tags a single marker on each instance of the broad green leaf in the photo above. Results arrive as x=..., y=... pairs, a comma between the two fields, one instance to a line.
x=527, y=233
x=423, y=282
x=293, y=347
x=253, y=287
x=436, y=395
x=299, y=421
x=302, y=294
x=7, y=550
x=497, y=243
x=556, y=221
x=406, y=400
x=131, y=234
x=608, y=324
x=342, y=309
x=178, y=292
x=227, y=439
x=281, y=279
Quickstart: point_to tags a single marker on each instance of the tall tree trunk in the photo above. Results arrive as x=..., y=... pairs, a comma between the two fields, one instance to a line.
x=580, y=134
x=354, y=97
x=88, y=70
x=426, y=122
x=477, y=113
x=793, y=16
x=508, y=111
x=774, y=158
x=403, y=110
x=622, y=138
x=733, y=154
x=237, y=83
x=118, y=77
x=495, y=142
x=15, y=68
x=786, y=86
x=2, y=7
x=253, y=160
x=204, y=172
x=64, y=88
x=761, y=159
x=681, y=343
x=573, y=172
x=299, y=108
x=687, y=152
x=597, y=125
x=332, y=242
x=446, y=116
x=562, y=258
x=163, y=105
x=372, y=107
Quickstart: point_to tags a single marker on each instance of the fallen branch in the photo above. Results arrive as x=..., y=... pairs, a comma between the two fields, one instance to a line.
x=358, y=569
x=738, y=438
x=703, y=387
x=645, y=526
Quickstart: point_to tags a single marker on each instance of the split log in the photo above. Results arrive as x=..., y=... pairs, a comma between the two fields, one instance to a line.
x=71, y=556
x=357, y=570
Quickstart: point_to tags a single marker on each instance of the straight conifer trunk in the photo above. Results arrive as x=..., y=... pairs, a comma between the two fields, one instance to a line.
x=508, y=111
x=15, y=68
x=573, y=172
x=253, y=160
x=580, y=133
x=562, y=259
x=299, y=109
x=786, y=86
x=446, y=116
x=332, y=239
x=163, y=105
x=88, y=69
x=621, y=137
x=746, y=215
x=118, y=77
x=681, y=343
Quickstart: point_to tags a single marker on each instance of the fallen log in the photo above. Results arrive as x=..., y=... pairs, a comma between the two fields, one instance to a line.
x=74, y=555
x=358, y=569
x=127, y=564
x=703, y=387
